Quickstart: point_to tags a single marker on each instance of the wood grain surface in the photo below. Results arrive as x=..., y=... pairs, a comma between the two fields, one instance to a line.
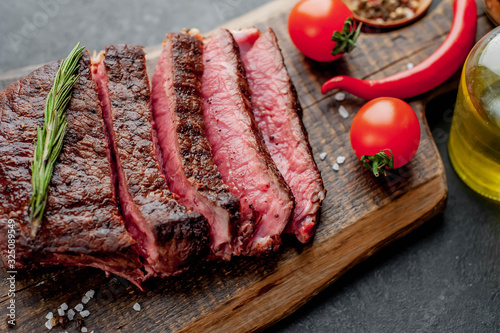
x=360, y=215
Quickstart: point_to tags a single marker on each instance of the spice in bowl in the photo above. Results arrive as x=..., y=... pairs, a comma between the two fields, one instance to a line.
x=382, y=11
x=493, y=10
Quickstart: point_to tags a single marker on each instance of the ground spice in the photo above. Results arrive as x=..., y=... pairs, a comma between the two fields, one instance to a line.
x=386, y=10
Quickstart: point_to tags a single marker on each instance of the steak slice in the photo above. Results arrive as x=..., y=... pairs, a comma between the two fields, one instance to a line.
x=245, y=38
x=187, y=155
x=171, y=238
x=278, y=113
x=239, y=150
x=81, y=225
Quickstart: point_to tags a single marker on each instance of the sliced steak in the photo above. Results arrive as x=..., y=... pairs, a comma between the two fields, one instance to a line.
x=245, y=38
x=81, y=225
x=239, y=150
x=278, y=113
x=171, y=238
x=187, y=155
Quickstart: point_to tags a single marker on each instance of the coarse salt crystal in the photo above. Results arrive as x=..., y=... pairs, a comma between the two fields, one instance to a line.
x=85, y=313
x=48, y=325
x=322, y=156
x=79, y=307
x=137, y=307
x=409, y=65
x=49, y=316
x=85, y=299
x=64, y=306
x=84, y=329
x=343, y=112
x=90, y=293
x=61, y=312
x=336, y=167
x=71, y=314
x=340, y=159
x=340, y=96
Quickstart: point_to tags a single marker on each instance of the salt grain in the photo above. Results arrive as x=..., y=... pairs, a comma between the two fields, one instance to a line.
x=84, y=329
x=137, y=307
x=85, y=299
x=336, y=167
x=79, y=307
x=71, y=314
x=49, y=316
x=322, y=156
x=409, y=65
x=48, y=325
x=340, y=96
x=340, y=159
x=90, y=293
x=61, y=312
x=85, y=313
x=64, y=306
x=343, y=112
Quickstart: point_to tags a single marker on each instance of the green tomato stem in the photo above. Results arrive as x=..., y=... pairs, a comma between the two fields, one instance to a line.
x=378, y=163
x=346, y=39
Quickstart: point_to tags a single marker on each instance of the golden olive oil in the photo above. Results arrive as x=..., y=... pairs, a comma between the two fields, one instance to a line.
x=474, y=144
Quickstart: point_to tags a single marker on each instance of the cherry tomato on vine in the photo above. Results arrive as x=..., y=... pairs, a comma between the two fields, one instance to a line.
x=385, y=134
x=323, y=30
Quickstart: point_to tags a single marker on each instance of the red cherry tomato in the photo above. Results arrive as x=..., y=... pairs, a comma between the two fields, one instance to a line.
x=389, y=125
x=312, y=23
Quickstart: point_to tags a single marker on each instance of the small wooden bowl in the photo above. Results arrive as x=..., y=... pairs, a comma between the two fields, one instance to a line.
x=421, y=9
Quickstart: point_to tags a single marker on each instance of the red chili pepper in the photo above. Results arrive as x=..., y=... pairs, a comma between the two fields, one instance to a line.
x=430, y=73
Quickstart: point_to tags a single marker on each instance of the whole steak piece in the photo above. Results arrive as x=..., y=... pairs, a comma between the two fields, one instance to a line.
x=239, y=150
x=186, y=153
x=278, y=113
x=81, y=225
x=171, y=238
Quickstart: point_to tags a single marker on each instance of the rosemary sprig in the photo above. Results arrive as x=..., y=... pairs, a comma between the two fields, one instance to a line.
x=50, y=138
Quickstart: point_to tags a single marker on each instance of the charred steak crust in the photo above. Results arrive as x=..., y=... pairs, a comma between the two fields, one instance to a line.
x=186, y=152
x=81, y=226
x=194, y=146
x=180, y=235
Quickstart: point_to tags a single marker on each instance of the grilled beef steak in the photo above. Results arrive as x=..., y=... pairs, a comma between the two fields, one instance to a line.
x=81, y=225
x=239, y=150
x=187, y=156
x=278, y=113
x=245, y=38
x=171, y=238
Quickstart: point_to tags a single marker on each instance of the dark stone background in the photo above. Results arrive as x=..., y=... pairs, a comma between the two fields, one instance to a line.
x=444, y=277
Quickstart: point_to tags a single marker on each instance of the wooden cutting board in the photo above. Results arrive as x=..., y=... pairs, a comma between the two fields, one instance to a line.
x=360, y=214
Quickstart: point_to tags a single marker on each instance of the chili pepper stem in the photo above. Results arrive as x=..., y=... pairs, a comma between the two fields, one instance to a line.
x=378, y=163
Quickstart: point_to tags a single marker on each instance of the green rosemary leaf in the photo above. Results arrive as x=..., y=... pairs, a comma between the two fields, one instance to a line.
x=50, y=138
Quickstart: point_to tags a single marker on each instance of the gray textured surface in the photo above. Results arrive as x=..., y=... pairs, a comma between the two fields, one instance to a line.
x=444, y=277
